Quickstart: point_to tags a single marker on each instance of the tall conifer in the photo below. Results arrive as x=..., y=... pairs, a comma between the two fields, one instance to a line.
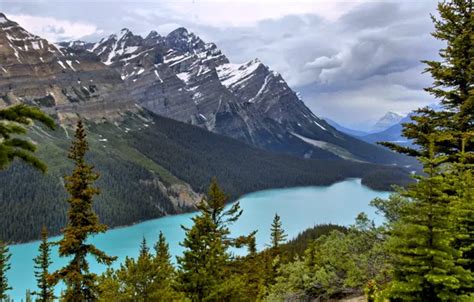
x=278, y=236
x=82, y=223
x=42, y=263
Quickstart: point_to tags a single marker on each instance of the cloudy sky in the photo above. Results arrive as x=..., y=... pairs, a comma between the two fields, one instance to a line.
x=351, y=60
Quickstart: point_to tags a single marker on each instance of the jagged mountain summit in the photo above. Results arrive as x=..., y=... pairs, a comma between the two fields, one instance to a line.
x=182, y=77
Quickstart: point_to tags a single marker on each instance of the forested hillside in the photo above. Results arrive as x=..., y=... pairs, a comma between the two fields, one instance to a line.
x=153, y=166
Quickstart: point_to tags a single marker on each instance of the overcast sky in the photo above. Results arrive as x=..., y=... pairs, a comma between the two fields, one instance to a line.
x=351, y=60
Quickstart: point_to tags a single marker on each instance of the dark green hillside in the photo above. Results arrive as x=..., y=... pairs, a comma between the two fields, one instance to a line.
x=144, y=159
x=240, y=168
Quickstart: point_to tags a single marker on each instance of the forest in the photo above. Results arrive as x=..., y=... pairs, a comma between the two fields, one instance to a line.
x=423, y=251
x=133, y=159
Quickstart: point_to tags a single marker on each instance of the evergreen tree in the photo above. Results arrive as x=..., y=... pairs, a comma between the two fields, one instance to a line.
x=13, y=122
x=461, y=183
x=278, y=236
x=445, y=144
x=163, y=259
x=214, y=205
x=420, y=243
x=4, y=267
x=82, y=223
x=149, y=278
x=42, y=263
x=204, y=272
x=203, y=263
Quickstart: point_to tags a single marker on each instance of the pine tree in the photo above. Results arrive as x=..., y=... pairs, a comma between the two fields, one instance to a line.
x=277, y=233
x=420, y=243
x=42, y=263
x=163, y=258
x=202, y=265
x=4, y=267
x=82, y=223
x=461, y=183
x=148, y=278
x=445, y=144
x=214, y=205
x=13, y=122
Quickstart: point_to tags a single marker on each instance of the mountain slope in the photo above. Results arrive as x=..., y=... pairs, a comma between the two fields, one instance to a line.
x=153, y=166
x=182, y=77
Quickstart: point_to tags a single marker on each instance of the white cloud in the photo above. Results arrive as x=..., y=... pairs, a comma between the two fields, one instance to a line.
x=54, y=29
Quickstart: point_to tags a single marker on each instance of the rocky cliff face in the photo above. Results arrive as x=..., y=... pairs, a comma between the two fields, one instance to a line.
x=177, y=76
x=182, y=77
x=34, y=71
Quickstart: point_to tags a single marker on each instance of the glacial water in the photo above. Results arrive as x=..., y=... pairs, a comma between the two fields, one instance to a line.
x=299, y=209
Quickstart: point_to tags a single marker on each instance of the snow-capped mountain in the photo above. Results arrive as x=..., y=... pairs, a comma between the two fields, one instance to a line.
x=182, y=77
x=177, y=76
x=35, y=71
x=388, y=120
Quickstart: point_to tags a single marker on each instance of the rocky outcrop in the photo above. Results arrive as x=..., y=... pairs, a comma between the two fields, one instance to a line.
x=34, y=71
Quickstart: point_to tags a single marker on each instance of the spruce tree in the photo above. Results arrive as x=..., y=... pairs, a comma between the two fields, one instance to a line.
x=4, y=267
x=82, y=223
x=278, y=236
x=420, y=244
x=202, y=265
x=444, y=141
x=214, y=205
x=42, y=263
x=13, y=123
x=204, y=272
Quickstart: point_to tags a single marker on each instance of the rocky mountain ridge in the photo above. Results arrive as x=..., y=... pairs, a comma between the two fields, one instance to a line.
x=177, y=76
x=184, y=78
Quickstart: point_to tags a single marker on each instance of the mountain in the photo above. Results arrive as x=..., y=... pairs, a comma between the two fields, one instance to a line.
x=343, y=129
x=391, y=134
x=387, y=121
x=152, y=165
x=184, y=78
x=394, y=133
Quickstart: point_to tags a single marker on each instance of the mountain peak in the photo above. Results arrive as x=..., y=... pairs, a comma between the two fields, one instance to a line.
x=389, y=119
x=152, y=34
x=179, y=32
x=4, y=21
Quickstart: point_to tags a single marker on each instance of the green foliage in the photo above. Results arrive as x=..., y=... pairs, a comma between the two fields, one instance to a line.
x=4, y=267
x=13, y=123
x=430, y=230
x=136, y=161
x=204, y=268
x=42, y=263
x=80, y=283
x=334, y=265
x=277, y=234
x=148, y=278
x=298, y=245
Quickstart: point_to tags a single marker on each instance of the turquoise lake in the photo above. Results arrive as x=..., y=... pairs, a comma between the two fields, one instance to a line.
x=299, y=209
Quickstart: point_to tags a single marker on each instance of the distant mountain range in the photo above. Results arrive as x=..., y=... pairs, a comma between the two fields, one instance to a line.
x=239, y=122
x=391, y=132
